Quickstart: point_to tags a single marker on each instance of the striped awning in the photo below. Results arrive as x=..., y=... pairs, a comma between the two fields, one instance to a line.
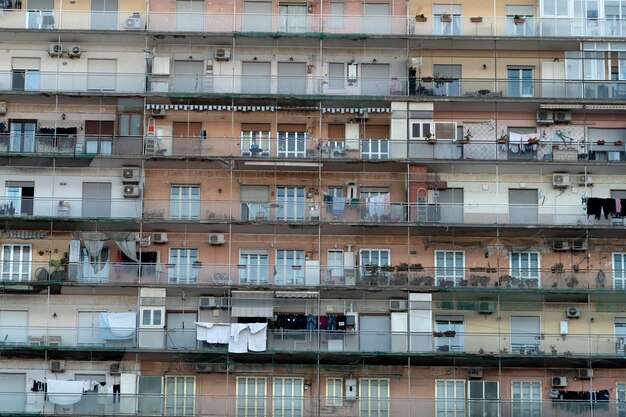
x=296, y=294
x=356, y=109
x=26, y=234
x=219, y=107
x=209, y=107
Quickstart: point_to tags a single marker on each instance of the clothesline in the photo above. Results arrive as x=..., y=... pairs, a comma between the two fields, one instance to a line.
x=240, y=337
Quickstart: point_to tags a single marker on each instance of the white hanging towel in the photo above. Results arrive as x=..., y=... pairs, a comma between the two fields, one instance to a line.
x=257, y=341
x=64, y=392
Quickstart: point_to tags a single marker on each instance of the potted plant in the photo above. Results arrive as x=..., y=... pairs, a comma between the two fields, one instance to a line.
x=504, y=138
x=437, y=334
x=476, y=19
x=557, y=268
x=517, y=19
x=571, y=282
x=446, y=17
x=601, y=142
x=60, y=269
x=449, y=333
x=466, y=137
x=420, y=18
x=431, y=138
x=196, y=264
x=618, y=143
x=533, y=141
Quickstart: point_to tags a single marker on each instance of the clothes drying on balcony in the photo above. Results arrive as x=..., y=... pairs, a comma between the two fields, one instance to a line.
x=240, y=337
x=339, y=205
x=607, y=206
x=64, y=392
x=378, y=206
x=118, y=326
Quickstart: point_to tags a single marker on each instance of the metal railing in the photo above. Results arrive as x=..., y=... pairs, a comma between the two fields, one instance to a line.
x=40, y=273
x=384, y=405
x=309, y=20
x=320, y=340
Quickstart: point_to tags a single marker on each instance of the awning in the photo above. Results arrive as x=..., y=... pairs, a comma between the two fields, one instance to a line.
x=252, y=304
x=219, y=107
x=356, y=109
x=26, y=234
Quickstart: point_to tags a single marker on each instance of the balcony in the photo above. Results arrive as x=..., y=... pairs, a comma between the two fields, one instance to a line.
x=70, y=207
x=300, y=274
x=69, y=146
x=527, y=345
x=72, y=82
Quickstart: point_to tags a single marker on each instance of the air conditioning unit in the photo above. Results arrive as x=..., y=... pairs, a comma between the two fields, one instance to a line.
x=585, y=373
x=560, y=245
x=217, y=239
x=561, y=116
x=218, y=368
x=545, y=117
x=132, y=191
x=57, y=366
x=397, y=305
x=213, y=302
x=3, y=108
x=487, y=307
x=560, y=180
x=573, y=312
x=56, y=49
x=559, y=381
x=133, y=22
x=159, y=238
x=362, y=114
x=585, y=180
x=475, y=373
x=222, y=54
x=337, y=152
x=579, y=245
x=116, y=368
x=130, y=175
x=158, y=112
x=74, y=51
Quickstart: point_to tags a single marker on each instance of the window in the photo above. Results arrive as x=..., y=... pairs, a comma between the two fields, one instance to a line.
x=40, y=14
x=179, y=395
x=292, y=77
x=619, y=270
x=337, y=12
x=255, y=143
x=152, y=317
x=334, y=392
x=288, y=396
x=620, y=389
x=452, y=327
x=180, y=270
x=22, y=136
x=104, y=14
x=149, y=395
x=525, y=399
x=292, y=17
x=94, y=267
x=525, y=334
x=16, y=262
x=336, y=78
x=19, y=198
x=378, y=257
x=184, y=202
x=483, y=398
x=253, y=266
x=449, y=267
x=291, y=203
x=555, y=8
x=374, y=397
x=257, y=16
x=376, y=18
x=525, y=265
x=251, y=397
x=88, y=331
x=450, y=397
x=447, y=82
x=289, y=269
x=420, y=130
x=520, y=82
x=25, y=80
x=292, y=144
x=190, y=15
x=374, y=149
x=520, y=27
x=447, y=19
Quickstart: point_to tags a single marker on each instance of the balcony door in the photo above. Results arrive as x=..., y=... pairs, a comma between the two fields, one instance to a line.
x=375, y=79
x=257, y=16
x=525, y=334
x=104, y=14
x=376, y=18
x=523, y=206
x=181, y=332
x=96, y=199
x=188, y=76
x=13, y=327
x=451, y=201
x=375, y=333
x=13, y=393
x=22, y=136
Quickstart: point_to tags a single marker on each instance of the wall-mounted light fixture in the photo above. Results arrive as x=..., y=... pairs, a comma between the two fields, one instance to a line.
x=484, y=66
x=291, y=59
x=374, y=60
x=254, y=59
x=310, y=8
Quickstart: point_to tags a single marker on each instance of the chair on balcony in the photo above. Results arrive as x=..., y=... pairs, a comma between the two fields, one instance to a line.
x=222, y=278
x=54, y=341
x=36, y=340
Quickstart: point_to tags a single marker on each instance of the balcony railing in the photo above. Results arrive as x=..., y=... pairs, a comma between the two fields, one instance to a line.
x=73, y=207
x=70, y=145
x=314, y=339
x=309, y=21
x=38, y=274
x=200, y=404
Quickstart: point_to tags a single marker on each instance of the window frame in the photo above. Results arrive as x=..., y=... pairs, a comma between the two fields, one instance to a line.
x=334, y=391
x=365, y=400
x=261, y=269
x=442, y=271
x=285, y=405
x=526, y=407
x=185, y=206
x=528, y=272
x=10, y=263
x=444, y=401
x=151, y=317
x=244, y=396
x=619, y=274
x=176, y=398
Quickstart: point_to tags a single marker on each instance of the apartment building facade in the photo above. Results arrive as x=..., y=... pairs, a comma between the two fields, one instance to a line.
x=283, y=208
